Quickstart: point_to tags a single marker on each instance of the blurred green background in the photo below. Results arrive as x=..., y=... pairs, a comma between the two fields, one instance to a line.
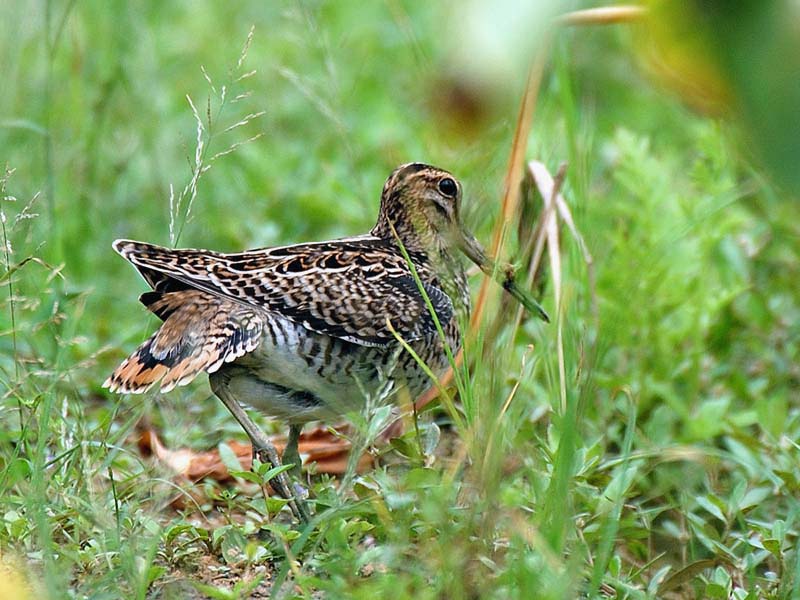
x=680, y=444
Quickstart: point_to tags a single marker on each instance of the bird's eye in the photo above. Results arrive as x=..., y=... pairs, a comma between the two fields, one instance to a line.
x=448, y=187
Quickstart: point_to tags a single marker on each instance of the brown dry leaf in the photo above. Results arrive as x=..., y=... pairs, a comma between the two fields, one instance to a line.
x=189, y=463
x=328, y=451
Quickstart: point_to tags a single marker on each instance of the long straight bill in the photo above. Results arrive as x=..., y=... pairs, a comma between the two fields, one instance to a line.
x=503, y=274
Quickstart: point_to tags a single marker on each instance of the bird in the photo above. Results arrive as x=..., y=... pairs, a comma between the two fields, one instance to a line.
x=312, y=331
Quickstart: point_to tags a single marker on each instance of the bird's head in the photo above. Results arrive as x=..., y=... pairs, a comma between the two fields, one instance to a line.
x=420, y=205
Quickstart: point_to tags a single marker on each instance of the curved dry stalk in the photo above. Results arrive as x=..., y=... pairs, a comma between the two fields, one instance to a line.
x=534, y=248
x=544, y=181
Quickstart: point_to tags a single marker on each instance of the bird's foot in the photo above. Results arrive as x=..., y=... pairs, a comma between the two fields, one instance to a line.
x=282, y=484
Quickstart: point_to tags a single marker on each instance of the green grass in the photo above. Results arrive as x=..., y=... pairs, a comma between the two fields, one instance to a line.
x=672, y=470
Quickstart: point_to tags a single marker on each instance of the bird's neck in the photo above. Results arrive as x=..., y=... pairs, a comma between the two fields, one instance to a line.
x=395, y=226
x=436, y=259
x=436, y=265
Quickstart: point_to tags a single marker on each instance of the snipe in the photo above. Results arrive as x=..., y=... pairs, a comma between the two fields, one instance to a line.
x=308, y=331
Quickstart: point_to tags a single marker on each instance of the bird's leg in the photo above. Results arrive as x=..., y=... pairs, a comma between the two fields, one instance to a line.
x=264, y=450
x=291, y=455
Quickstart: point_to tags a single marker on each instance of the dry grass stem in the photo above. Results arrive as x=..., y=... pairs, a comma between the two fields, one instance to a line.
x=542, y=178
x=511, y=188
x=534, y=248
x=513, y=180
x=603, y=15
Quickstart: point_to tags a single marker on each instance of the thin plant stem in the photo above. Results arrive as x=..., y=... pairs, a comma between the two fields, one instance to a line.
x=11, y=301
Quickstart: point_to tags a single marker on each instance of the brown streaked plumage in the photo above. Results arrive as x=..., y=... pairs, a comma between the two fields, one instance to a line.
x=301, y=331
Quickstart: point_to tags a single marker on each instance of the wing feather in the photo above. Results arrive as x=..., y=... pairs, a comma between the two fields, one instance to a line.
x=342, y=288
x=200, y=333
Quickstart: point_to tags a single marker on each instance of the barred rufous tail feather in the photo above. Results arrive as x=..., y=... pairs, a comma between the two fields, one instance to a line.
x=200, y=333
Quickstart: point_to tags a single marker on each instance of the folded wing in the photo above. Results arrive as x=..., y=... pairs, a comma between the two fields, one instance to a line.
x=344, y=288
x=200, y=333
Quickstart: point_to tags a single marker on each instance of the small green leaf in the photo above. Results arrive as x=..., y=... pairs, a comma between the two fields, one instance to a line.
x=754, y=497
x=774, y=547
x=268, y=472
x=176, y=530
x=779, y=529
x=657, y=579
x=275, y=504
x=214, y=592
x=405, y=447
x=381, y=418
x=246, y=475
x=430, y=435
x=715, y=590
x=423, y=477
x=712, y=507
x=709, y=420
x=12, y=516
x=615, y=566
x=228, y=457
x=154, y=573
x=685, y=575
